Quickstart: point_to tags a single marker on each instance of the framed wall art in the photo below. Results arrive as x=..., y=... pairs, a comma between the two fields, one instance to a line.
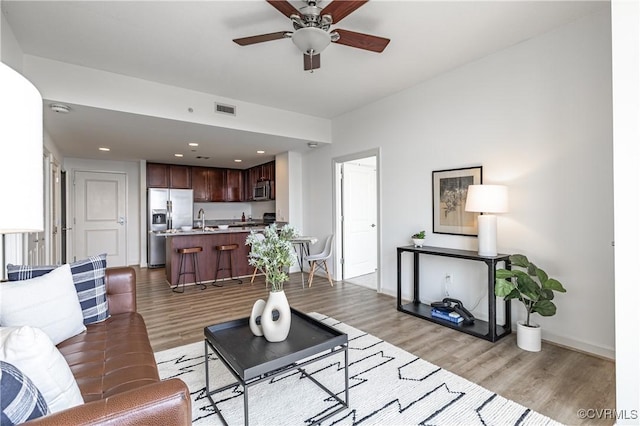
x=449, y=197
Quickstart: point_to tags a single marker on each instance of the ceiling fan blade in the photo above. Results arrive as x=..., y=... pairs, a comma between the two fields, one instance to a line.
x=311, y=62
x=340, y=9
x=362, y=41
x=244, y=41
x=284, y=7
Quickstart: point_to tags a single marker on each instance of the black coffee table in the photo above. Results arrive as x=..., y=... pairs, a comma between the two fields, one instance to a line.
x=253, y=360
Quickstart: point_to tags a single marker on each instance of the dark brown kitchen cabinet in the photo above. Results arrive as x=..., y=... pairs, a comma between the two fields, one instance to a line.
x=200, y=183
x=270, y=171
x=234, y=185
x=266, y=171
x=168, y=176
x=157, y=175
x=263, y=172
x=179, y=177
x=208, y=184
x=218, y=184
x=211, y=184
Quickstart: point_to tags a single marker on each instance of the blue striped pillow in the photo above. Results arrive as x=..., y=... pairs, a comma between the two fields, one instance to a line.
x=88, y=278
x=20, y=399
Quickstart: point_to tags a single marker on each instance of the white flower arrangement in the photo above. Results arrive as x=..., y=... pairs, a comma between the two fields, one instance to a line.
x=274, y=254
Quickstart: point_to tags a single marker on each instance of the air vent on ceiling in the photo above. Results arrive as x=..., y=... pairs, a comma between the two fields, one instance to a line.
x=200, y=157
x=225, y=109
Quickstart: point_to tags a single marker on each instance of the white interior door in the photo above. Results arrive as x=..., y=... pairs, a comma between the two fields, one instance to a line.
x=100, y=221
x=359, y=216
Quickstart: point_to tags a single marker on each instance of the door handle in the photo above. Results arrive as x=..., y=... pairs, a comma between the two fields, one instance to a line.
x=121, y=220
x=373, y=225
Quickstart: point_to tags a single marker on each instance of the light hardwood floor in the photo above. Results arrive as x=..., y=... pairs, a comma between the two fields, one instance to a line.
x=556, y=382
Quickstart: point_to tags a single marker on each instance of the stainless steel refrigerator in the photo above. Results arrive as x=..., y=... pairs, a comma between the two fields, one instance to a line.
x=168, y=209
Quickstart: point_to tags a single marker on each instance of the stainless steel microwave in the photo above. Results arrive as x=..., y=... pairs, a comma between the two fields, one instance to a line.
x=262, y=191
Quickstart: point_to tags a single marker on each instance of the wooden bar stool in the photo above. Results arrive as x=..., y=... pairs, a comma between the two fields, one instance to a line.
x=226, y=250
x=191, y=252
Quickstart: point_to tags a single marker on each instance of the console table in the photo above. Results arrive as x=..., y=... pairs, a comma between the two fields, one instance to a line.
x=487, y=330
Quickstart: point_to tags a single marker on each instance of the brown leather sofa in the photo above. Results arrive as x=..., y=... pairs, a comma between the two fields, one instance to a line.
x=116, y=371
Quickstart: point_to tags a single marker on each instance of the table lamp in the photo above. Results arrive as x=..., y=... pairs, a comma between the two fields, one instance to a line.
x=21, y=161
x=487, y=199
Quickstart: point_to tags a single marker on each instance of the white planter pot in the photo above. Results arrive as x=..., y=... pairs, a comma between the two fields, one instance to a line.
x=417, y=242
x=529, y=338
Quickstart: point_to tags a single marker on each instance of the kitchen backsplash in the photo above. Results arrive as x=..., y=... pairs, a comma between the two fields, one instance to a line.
x=233, y=211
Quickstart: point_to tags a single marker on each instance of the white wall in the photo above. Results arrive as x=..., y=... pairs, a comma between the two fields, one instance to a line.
x=537, y=117
x=289, y=188
x=132, y=171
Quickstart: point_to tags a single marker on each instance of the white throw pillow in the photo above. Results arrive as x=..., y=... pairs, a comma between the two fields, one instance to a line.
x=33, y=353
x=49, y=302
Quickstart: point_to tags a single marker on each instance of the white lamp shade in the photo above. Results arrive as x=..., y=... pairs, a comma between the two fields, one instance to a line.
x=487, y=199
x=310, y=38
x=21, y=161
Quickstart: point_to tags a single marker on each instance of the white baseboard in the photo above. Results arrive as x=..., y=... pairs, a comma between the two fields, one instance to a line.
x=588, y=348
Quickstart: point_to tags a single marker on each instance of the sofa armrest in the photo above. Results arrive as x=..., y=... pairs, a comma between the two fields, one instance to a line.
x=162, y=403
x=121, y=289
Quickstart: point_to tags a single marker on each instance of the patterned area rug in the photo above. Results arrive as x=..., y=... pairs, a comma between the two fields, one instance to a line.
x=387, y=386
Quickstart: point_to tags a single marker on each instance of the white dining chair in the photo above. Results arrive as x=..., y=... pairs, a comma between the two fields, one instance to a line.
x=320, y=260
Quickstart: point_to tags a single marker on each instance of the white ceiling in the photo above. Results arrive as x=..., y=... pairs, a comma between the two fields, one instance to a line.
x=188, y=44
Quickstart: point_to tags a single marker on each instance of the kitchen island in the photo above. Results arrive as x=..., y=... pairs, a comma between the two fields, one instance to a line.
x=208, y=240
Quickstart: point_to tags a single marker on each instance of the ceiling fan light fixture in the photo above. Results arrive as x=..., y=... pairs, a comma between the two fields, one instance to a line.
x=311, y=39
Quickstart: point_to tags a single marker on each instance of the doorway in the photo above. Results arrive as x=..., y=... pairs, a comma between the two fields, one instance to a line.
x=356, y=192
x=100, y=216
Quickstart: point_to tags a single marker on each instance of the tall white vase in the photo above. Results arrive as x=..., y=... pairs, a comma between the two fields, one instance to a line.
x=529, y=338
x=276, y=331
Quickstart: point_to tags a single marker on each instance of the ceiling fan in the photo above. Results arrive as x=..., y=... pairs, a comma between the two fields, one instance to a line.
x=311, y=30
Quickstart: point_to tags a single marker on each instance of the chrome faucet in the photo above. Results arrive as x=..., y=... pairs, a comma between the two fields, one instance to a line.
x=201, y=216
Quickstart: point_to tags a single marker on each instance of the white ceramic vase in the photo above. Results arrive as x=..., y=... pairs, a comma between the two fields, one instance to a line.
x=529, y=338
x=418, y=242
x=256, y=316
x=276, y=331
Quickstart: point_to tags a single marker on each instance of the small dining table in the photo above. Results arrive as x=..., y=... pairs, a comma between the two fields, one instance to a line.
x=301, y=245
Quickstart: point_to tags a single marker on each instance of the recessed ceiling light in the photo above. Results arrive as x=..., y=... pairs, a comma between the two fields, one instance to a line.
x=260, y=152
x=178, y=155
x=103, y=148
x=193, y=144
x=312, y=144
x=238, y=161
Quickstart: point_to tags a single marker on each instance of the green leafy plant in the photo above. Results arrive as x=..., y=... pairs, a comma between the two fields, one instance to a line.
x=530, y=285
x=274, y=254
x=419, y=235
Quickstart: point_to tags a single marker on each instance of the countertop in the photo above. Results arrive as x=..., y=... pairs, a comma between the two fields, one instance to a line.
x=210, y=230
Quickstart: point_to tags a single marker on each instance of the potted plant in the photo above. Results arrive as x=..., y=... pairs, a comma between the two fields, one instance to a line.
x=533, y=287
x=273, y=255
x=418, y=238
